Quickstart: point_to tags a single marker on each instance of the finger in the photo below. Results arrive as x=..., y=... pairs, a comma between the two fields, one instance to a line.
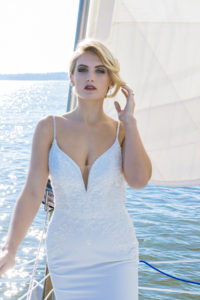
x=129, y=94
x=124, y=92
x=129, y=100
x=2, y=270
x=117, y=106
x=128, y=89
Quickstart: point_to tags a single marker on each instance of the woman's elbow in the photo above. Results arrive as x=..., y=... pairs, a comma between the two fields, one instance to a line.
x=139, y=183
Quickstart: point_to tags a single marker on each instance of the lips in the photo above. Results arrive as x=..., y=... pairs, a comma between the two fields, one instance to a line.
x=90, y=87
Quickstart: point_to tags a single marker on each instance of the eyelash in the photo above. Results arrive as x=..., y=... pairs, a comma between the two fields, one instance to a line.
x=98, y=70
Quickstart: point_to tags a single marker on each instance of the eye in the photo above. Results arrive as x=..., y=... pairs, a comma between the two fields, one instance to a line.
x=82, y=69
x=101, y=71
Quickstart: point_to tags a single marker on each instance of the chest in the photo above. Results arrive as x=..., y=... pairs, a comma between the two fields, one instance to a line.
x=106, y=167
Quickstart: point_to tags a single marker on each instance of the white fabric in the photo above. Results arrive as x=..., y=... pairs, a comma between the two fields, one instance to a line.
x=92, y=249
x=37, y=293
x=157, y=43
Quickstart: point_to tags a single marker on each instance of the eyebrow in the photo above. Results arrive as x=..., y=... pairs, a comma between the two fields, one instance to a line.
x=82, y=65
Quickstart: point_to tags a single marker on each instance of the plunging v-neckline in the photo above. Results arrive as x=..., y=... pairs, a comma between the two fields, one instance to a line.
x=86, y=188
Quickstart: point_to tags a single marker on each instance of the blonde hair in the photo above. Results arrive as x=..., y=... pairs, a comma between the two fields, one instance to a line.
x=110, y=62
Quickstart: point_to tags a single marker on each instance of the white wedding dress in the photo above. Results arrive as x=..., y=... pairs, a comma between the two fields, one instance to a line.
x=92, y=249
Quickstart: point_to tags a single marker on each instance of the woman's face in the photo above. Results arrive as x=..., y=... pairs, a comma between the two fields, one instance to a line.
x=90, y=78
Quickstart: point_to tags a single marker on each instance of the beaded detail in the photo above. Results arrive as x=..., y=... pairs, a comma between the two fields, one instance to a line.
x=89, y=225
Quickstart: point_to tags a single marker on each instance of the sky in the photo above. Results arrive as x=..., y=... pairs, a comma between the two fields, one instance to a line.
x=37, y=36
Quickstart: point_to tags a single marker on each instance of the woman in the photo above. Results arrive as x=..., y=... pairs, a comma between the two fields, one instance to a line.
x=92, y=250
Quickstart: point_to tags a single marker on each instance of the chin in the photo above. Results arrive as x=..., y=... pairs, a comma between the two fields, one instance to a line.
x=90, y=96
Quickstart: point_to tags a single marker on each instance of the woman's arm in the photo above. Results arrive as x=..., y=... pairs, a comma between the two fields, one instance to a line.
x=136, y=163
x=29, y=201
x=137, y=166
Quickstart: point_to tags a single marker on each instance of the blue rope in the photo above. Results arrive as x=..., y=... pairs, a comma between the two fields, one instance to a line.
x=184, y=280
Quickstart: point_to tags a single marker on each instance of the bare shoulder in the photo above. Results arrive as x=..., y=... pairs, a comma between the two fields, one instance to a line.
x=44, y=127
x=45, y=123
x=64, y=119
x=121, y=130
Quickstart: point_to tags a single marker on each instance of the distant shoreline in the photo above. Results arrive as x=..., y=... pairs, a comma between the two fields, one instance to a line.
x=36, y=76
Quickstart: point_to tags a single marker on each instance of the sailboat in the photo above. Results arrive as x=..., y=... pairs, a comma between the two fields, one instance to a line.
x=157, y=43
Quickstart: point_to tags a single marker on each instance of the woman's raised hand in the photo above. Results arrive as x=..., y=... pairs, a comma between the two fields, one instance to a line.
x=7, y=261
x=128, y=110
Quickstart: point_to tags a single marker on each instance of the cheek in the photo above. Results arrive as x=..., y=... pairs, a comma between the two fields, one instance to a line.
x=106, y=83
x=78, y=81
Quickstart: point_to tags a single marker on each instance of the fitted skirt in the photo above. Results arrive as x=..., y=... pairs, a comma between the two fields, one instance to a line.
x=116, y=280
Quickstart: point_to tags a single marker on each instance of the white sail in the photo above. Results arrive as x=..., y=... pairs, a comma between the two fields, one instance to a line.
x=157, y=43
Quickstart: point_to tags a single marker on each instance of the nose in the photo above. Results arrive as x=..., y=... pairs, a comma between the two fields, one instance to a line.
x=90, y=76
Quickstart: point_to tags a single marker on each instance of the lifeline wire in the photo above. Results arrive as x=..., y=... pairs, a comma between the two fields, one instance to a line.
x=36, y=262
x=152, y=262
x=184, y=280
x=141, y=261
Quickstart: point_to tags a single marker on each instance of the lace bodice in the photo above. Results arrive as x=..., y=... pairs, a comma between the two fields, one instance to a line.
x=95, y=216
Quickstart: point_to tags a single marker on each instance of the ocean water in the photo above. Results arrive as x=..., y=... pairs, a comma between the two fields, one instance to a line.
x=166, y=219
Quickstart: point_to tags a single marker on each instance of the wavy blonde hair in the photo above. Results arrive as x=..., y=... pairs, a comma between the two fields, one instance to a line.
x=104, y=54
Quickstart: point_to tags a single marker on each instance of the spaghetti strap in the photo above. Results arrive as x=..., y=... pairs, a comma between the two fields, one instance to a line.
x=75, y=233
x=54, y=127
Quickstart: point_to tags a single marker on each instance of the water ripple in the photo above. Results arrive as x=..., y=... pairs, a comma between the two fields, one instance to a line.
x=166, y=219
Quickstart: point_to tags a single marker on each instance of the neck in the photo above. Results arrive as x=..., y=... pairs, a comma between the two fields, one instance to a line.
x=89, y=113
